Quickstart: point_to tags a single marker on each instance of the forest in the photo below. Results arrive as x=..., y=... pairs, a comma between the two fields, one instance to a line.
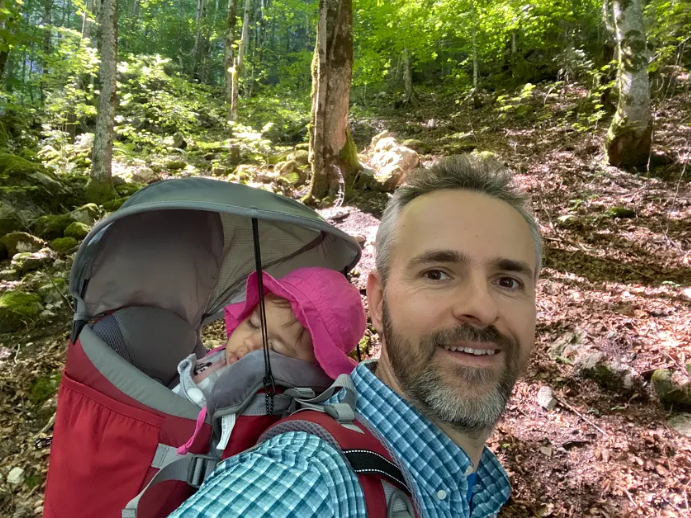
x=332, y=102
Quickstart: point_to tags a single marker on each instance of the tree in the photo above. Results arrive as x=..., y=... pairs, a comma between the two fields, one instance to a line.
x=236, y=70
x=200, y=39
x=231, y=22
x=100, y=187
x=629, y=138
x=333, y=155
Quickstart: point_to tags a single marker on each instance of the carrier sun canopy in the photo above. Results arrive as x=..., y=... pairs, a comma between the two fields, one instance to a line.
x=187, y=246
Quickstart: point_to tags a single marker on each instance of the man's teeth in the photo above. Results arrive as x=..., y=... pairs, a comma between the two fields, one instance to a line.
x=477, y=352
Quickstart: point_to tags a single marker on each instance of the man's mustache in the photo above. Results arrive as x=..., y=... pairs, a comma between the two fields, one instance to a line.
x=469, y=333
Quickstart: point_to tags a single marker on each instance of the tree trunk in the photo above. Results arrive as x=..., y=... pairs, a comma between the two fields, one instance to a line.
x=409, y=97
x=476, y=66
x=231, y=21
x=7, y=24
x=88, y=25
x=100, y=186
x=629, y=138
x=237, y=68
x=199, y=40
x=332, y=154
x=47, y=22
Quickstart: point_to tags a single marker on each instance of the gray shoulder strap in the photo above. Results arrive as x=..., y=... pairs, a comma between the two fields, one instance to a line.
x=193, y=469
x=398, y=504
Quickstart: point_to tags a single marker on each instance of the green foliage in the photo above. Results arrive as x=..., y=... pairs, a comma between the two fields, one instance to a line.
x=43, y=388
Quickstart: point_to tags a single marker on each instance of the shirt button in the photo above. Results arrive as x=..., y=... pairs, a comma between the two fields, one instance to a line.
x=441, y=494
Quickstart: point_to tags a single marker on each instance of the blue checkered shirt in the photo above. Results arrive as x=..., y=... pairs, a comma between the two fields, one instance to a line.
x=299, y=475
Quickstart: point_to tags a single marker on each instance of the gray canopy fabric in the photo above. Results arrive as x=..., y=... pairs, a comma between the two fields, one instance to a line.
x=187, y=246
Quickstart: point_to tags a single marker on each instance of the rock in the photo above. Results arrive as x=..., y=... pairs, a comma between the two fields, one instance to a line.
x=221, y=170
x=51, y=292
x=179, y=141
x=46, y=315
x=9, y=274
x=300, y=156
x=77, y=230
x=391, y=163
x=18, y=309
x=16, y=477
x=63, y=245
x=175, y=164
x=611, y=375
x=671, y=390
x=84, y=142
x=114, y=205
x=302, y=146
x=26, y=261
x=277, y=159
x=51, y=227
x=17, y=242
x=416, y=145
x=292, y=172
x=10, y=219
x=567, y=346
x=129, y=189
x=681, y=423
x=379, y=136
x=546, y=399
x=23, y=512
x=144, y=175
x=87, y=214
x=686, y=293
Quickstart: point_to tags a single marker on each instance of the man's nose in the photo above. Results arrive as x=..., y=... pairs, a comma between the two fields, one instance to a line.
x=475, y=303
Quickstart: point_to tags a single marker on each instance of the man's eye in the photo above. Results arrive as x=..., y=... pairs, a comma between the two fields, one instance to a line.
x=509, y=283
x=435, y=275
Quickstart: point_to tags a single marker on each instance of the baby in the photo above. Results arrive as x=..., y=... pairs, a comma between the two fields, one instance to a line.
x=312, y=314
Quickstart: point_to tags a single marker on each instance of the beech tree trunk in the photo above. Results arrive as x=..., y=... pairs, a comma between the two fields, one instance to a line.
x=198, y=53
x=100, y=186
x=229, y=55
x=237, y=68
x=409, y=96
x=332, y=155
x=629, y=138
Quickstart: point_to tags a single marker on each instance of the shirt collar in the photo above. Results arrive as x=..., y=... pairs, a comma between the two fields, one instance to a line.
x=432, y=459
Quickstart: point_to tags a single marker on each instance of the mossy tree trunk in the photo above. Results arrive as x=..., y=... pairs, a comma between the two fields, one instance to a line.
x=236, y=71
x=332, y=155
x=629, y=138
x=198, y=52
x=100, y=187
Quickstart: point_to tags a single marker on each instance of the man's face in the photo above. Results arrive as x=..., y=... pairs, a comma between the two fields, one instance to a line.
x=457, y=313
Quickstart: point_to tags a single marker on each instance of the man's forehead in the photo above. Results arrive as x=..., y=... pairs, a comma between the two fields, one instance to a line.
x=468, y=222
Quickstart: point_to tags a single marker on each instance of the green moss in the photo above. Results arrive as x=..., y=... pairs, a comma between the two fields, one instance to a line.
x=17, y=309
x=77, y=230
x=620, y=212
x=128, y=189
x=51, y=226
x=13, y=165
x=348, y=156
x=114, y=205
x=100, y=192
x=43, y=388
x=63, y=245
x=21, y=242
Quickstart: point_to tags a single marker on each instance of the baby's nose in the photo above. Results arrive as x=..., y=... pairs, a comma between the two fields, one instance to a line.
x=254, y=341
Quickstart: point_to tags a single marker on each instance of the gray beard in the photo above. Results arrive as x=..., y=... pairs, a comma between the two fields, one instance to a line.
x=420, y=376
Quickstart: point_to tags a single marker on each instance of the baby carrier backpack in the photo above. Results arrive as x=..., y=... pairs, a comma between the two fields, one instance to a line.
x=146, y=280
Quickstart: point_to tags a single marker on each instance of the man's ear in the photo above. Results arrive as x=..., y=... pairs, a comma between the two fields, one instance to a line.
x=375, y=300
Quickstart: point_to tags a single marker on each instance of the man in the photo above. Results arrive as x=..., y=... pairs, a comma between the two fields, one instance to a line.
x=453, y=298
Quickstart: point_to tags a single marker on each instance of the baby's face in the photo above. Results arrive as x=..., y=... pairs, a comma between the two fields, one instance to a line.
x=285, y=334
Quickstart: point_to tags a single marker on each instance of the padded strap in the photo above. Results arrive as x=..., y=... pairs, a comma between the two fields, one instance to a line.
x=371, y=463
x=193, y=469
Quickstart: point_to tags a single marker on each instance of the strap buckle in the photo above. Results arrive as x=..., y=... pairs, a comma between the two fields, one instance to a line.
x=200, y=468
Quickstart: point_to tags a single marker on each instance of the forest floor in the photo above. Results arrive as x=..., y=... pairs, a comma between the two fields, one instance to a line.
x=616, y=280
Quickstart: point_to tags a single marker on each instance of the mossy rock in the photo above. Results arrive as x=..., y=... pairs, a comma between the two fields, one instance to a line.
x=17, y=242
x=459, y=148
x=303, y=146
x=277, y=159
x=128, y=189
x=416, y=145
x=100, y=192
x=175, y=164
x=52, y=226
x=669, y=391
x=86, y=214
x=9, y=219
x=114, y=205
x=620, y=213
x=77, y=230
x=25, y=262
x=300, y=156
x=18, y=309
x=63, y=245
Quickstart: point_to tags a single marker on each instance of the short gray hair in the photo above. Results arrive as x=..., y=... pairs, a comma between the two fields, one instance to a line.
x=480, y=174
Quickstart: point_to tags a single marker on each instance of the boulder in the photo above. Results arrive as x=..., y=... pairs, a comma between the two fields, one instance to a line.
x=391, y=163
x=175, y=164
x=300, y=156
x=25, y=262
x=52, y=292
x=144, y=175
x=63, y=245
x=302, y=146
x=607, y=374
x=179, y=141
x=129, y=189
x=17, y=242
x=379, y=136
x=670, y=389
x=291, y=172
x=87, y=214
x=113, y=205
x=51, y=226
x=18, y=309
x=77, y=230
x=681, y=423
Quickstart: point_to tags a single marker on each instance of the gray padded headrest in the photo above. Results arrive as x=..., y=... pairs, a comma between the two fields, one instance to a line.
x=153, y=340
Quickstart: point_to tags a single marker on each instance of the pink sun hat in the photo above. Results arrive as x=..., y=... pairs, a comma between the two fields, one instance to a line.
x=324, y=302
